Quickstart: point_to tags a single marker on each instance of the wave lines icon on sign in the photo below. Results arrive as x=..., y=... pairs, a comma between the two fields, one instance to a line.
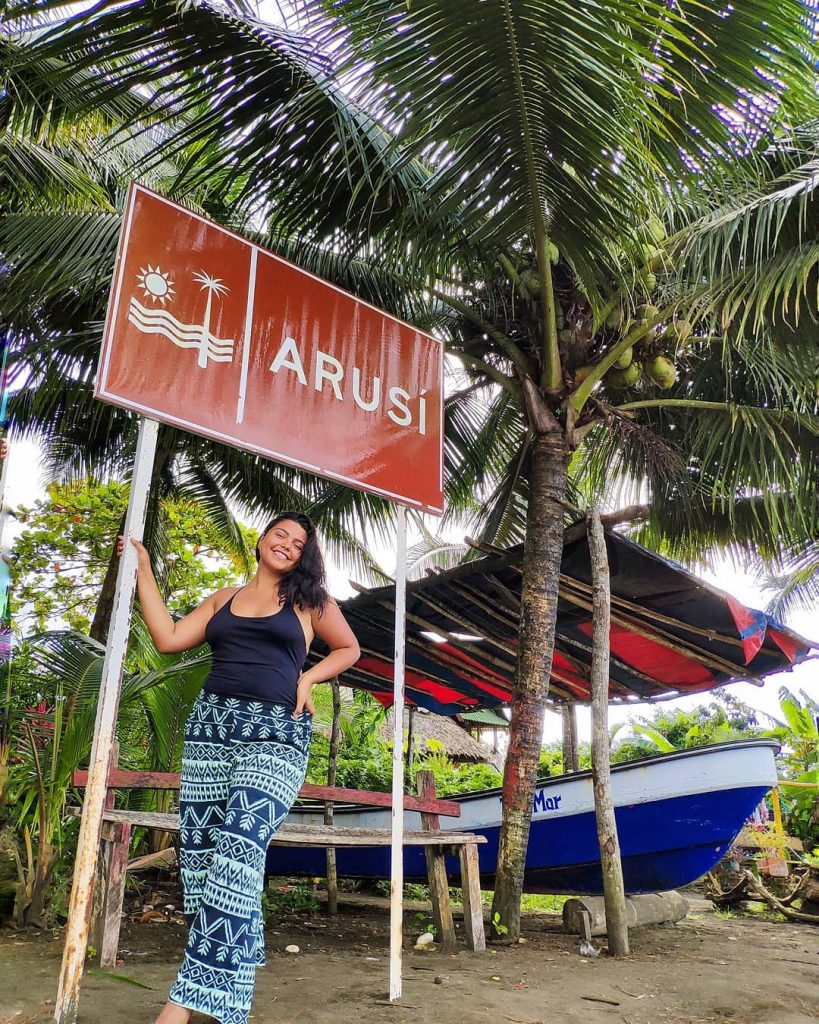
x=196, y=336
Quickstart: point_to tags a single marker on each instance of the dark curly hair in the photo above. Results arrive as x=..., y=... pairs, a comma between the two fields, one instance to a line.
x=306, y=585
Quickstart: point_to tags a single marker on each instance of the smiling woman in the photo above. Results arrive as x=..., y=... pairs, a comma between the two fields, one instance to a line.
x=245, y=754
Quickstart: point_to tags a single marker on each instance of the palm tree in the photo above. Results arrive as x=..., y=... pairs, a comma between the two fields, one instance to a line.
x=497, y=171
x=55, y=739
x=759, y=265
x=62, y=183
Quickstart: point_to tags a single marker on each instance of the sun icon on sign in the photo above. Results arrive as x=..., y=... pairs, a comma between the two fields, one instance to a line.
x=156, y=284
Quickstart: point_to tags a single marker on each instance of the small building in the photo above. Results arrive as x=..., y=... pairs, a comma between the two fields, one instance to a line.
x=456, y=742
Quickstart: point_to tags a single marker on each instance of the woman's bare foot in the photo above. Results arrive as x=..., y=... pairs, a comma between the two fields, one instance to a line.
x=172, y=1013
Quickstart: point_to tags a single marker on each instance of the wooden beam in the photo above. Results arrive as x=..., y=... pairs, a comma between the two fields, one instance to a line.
x=306, y=835
x=332, y=764
x=119, y=779
x=655, y=616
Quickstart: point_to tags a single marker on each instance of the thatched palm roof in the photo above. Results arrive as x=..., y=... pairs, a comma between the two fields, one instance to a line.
x=456, y=742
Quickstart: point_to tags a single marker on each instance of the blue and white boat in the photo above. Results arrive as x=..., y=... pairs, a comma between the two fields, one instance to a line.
x=677, y=814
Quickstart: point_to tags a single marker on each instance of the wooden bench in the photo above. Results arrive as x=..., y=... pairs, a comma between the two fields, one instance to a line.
x=116, y=837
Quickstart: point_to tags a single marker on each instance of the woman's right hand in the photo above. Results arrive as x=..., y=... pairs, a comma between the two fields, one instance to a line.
x=143, y=558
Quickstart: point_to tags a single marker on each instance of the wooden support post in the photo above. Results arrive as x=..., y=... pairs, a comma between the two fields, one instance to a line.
x=436, y=871
x=408, y=786
x=97, y=929
x=571, y=761
x=613, y=888
x=117, y=841
x=332, y=765
x=85, y=864
x=471, y=889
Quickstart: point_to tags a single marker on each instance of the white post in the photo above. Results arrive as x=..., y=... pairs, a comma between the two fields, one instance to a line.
x=82, y=888
x=397, y=855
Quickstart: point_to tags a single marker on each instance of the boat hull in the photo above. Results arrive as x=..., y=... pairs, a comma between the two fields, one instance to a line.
x=676, y=816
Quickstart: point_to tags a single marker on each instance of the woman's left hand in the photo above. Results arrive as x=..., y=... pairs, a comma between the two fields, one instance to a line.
x=304, y=701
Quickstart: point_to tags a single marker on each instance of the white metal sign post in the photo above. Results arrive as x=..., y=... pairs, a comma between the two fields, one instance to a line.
x=397, y=853
x=82, y=887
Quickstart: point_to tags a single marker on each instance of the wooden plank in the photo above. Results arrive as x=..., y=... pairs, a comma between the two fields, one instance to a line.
x=436, y=870
x=471, y=889
x=338, y=836
x=439, y=897
x=306, y=835
x=448, y=808
x=111, y=916
x=120, y=779
x=425, y=783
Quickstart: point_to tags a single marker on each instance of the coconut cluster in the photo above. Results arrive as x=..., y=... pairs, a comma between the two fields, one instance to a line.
x=653, y=359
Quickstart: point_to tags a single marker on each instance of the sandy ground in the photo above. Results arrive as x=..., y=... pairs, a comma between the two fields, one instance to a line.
x=738, y=970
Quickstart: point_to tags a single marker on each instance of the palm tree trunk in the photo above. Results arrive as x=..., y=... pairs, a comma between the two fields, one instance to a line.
x=44, y=870
x=105, y=602
x=541, y=566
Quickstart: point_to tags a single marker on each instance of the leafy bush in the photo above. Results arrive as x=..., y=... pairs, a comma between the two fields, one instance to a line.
x=370, y=767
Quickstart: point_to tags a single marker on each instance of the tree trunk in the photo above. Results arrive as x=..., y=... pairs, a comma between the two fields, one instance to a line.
x=43, y=871
x=541, y=567
x=332, y=764
x=105, y=602
x=613, y=888
x=571, y=761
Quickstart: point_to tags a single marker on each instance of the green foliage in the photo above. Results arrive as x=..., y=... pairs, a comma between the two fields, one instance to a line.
x=664, y=730
x=799, y=762
x=299, y=899
x=53, y=737
x=365, y=759
x=370, y=767
x=497, y=926
x=62, y=555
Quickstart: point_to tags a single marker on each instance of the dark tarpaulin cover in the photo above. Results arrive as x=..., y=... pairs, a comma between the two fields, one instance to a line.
x=671, y=633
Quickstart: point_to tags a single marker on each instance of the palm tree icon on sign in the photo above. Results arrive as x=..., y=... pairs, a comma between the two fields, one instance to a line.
x=158, y=287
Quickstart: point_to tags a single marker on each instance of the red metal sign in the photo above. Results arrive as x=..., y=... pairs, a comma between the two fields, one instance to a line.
x=211, y=333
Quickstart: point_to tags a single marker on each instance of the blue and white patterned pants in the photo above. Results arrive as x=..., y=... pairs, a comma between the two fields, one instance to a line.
x=243, y=765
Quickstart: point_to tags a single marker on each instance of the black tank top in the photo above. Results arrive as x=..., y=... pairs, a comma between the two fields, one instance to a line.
x=258, y=658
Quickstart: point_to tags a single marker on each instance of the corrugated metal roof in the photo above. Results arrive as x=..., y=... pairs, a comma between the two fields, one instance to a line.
x=485, y=717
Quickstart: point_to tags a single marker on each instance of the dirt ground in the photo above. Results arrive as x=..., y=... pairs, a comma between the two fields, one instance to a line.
x=707, y=968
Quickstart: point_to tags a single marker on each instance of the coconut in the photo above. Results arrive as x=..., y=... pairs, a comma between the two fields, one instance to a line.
x=624, y=359
x=656, y=229
x=650, y=282
x=554, y=253
x=661, y=371
x=614, y=319
x=623, y=378
x=647, y=312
